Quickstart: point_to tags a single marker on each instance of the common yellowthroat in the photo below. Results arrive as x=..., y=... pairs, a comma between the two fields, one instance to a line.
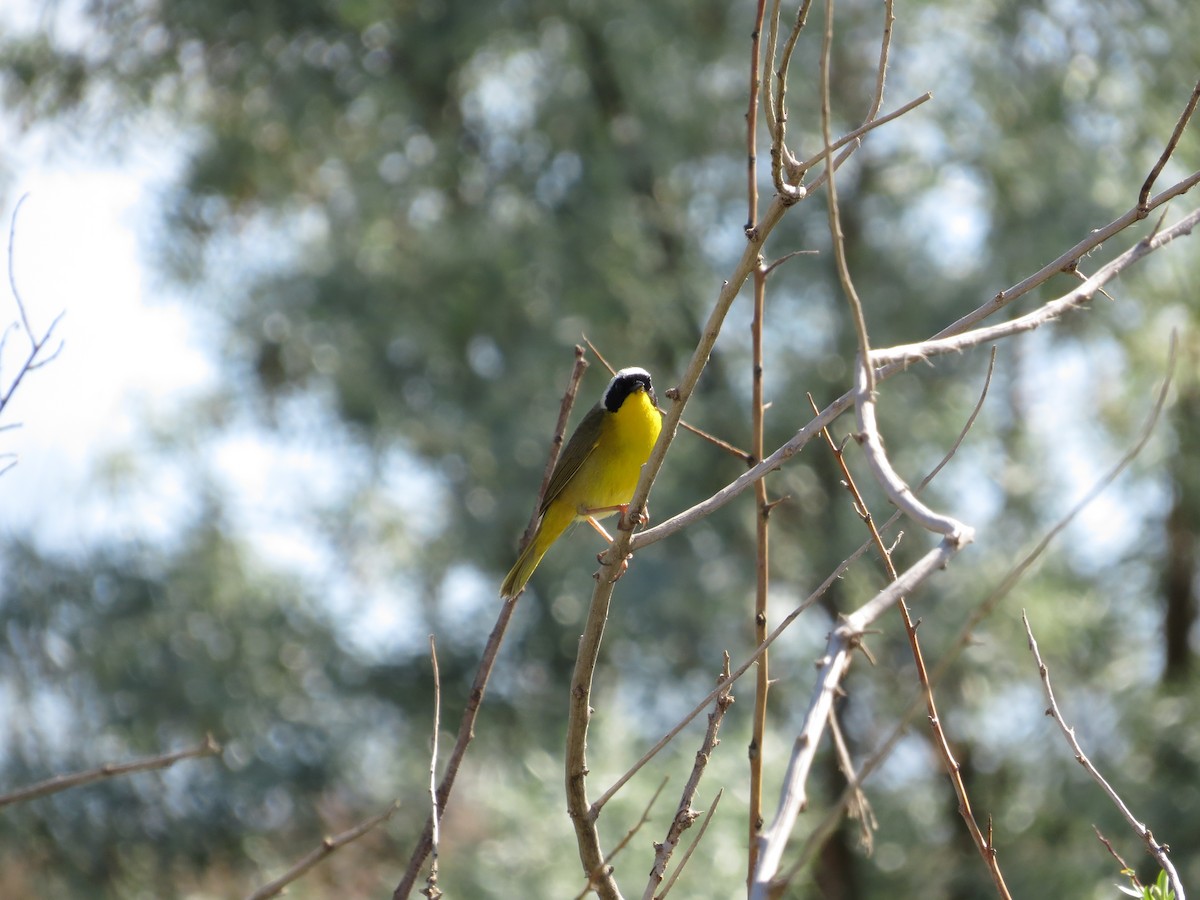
x=598, y=470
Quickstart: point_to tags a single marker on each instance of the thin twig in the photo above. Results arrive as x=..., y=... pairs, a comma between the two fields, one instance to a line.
x=737, y=673
x=684, y=814
x=782, y=159
x=431, y=886
x=1181, y=124
x=876, y=100
x=327, y=847
x=1048, y=312
x=859, y=806
x=209, y=747
x=487, y=660
x=691, y=847
x=752, y=121
x=34, y=358
x=560, y=429
x=834, y=210
x=1066, y=260
x=1158, y=850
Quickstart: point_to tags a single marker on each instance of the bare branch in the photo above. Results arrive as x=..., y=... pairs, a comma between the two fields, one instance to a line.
x=34, y=358
x=684, y=814
x=431, y=889
x=881, y=467
x=1049, y=311
x=741, y=670
x=858, y=132
x=982, y=844
x=752, y=120
x=834, y=210
x=793, y=796
x=762, y=570
x=487, y=660
x=808, y=601
x=1067, y=260
x=1157, y=850
x=209, y=747
x=327, y=847
x=859, y=806
x=691, y=847
x=781, y=157
x=984, y=609
x=1148, y=185
x=621, y=844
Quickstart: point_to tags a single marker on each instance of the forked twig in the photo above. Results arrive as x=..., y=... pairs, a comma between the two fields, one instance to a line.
x=982, y=844
x=624, y=841
x=1148, y=185
x=33, y=359
x=833, y=665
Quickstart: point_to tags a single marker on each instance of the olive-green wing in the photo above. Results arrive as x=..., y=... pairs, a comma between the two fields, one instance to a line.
x=578, y=449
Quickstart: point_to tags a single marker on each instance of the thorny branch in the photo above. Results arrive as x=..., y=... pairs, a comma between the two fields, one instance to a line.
x=984, y=609
x=842, y=641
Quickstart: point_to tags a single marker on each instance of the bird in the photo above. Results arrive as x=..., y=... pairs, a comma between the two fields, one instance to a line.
x=598, y=470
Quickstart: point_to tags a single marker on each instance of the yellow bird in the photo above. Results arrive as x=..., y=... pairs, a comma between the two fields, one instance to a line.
x=598, y=470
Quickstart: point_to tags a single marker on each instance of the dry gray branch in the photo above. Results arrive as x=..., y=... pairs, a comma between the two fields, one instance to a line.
x=842, y=641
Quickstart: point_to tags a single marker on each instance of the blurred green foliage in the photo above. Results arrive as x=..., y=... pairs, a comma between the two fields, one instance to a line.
x=406, y=215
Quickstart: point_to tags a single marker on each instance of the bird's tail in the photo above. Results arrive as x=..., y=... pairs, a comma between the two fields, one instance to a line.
x=548, y=531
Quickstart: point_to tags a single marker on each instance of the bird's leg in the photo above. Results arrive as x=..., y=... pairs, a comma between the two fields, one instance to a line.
x=599, y=528
x=623, y=508
x=600, y=557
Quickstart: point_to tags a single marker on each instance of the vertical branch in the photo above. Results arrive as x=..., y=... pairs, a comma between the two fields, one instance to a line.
x=762, y=570
x=596, y=868
x=431, y=889
x=835, y=220
x=752, y=120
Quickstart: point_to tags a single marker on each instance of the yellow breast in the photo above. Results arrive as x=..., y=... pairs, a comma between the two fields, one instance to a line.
x=610, y=474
